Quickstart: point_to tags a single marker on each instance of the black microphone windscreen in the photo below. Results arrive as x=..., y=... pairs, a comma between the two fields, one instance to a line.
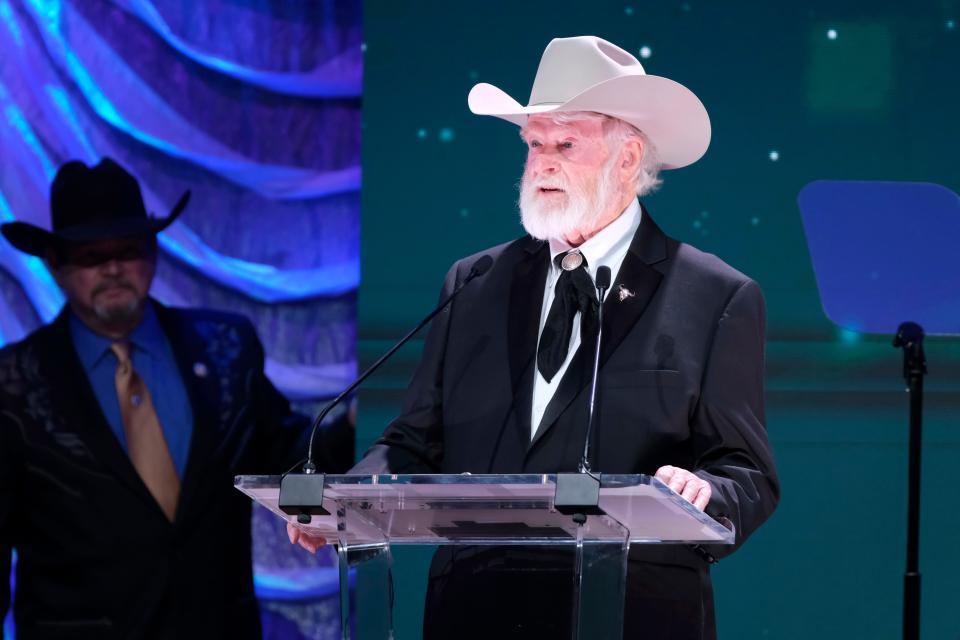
x=481, y=266
x=603, y=278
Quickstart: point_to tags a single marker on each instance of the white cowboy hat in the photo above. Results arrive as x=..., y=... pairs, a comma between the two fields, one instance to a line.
x=588, y=73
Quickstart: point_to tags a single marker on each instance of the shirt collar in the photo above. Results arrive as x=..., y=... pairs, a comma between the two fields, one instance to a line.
x=607, y=242
x=147, y=337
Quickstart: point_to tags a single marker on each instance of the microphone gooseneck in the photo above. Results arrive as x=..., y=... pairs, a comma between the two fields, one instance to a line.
x=602, y=283
x=480, y=267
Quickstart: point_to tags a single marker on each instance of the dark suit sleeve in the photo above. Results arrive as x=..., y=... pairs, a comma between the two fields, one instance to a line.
x=413, y=443
x=283, y=434
x=731, y=449
x=11, y=471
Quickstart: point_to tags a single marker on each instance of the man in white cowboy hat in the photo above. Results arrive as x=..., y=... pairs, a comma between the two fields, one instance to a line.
x=122, y=425
x=503, y=384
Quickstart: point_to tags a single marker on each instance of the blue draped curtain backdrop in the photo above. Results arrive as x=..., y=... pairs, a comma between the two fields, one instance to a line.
x=254, y=105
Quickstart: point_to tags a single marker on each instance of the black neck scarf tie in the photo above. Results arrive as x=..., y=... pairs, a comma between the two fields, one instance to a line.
x=574, y=292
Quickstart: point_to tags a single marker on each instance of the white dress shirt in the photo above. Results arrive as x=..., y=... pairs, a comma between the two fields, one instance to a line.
x=607, y=248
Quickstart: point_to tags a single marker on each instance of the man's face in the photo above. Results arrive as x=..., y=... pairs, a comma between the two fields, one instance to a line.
x=107, y=282
x=567, y=179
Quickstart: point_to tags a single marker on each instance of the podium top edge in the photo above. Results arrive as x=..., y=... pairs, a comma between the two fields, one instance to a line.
x=608, y=480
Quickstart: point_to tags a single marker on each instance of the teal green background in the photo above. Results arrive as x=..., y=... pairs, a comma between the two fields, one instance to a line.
x=878, y=102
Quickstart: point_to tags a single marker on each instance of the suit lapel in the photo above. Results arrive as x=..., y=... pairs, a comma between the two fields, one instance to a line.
x=526, y=301
x=200, y=381
x=620, y=313
x=80, y=409
x=637, y=282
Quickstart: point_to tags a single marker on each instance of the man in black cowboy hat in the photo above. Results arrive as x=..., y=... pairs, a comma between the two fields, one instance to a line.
x=102, y=250
x=122, y=425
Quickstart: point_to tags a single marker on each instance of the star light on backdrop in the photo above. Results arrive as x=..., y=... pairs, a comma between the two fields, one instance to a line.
x=848, y=336
x=645, y=52
x=700, y=224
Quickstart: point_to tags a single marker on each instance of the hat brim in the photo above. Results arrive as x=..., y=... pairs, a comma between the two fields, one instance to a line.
x=36, y=241
x=671, y=116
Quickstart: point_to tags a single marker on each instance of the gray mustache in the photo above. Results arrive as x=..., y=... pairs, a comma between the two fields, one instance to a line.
x=121, y=284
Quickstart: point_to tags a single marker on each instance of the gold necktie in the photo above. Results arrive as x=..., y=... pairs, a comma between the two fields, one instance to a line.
x=145, y=442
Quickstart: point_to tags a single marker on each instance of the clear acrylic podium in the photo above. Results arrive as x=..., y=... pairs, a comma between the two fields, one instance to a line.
x=367, y=514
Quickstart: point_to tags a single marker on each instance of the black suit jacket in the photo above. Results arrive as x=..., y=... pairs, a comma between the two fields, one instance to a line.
x=96, y=556
x=681, y=383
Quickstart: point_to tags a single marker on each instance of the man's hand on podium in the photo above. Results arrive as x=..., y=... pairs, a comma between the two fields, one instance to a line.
x=691, y=488
x=309, y=542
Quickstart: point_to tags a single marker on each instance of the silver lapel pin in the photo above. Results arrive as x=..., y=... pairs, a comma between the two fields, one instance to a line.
x=623, y=293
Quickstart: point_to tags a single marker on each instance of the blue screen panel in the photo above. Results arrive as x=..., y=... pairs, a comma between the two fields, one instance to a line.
x=885, y=253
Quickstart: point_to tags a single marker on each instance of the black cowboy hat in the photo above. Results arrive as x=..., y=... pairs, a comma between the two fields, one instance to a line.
x=90, y=204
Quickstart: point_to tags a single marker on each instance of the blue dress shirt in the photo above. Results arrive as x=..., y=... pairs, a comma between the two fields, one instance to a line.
x=153, y=359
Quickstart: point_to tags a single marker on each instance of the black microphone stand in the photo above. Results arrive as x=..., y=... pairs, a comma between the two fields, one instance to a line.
x=301, y=494
x=578, y=494
x=910, y=338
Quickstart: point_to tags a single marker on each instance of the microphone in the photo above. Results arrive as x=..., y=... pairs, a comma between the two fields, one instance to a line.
x=578, y=494
x=602, y=283
x=301, y=494
x=480, y=267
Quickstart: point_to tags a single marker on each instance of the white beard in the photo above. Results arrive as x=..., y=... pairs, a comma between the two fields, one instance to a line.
x=576, y=216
